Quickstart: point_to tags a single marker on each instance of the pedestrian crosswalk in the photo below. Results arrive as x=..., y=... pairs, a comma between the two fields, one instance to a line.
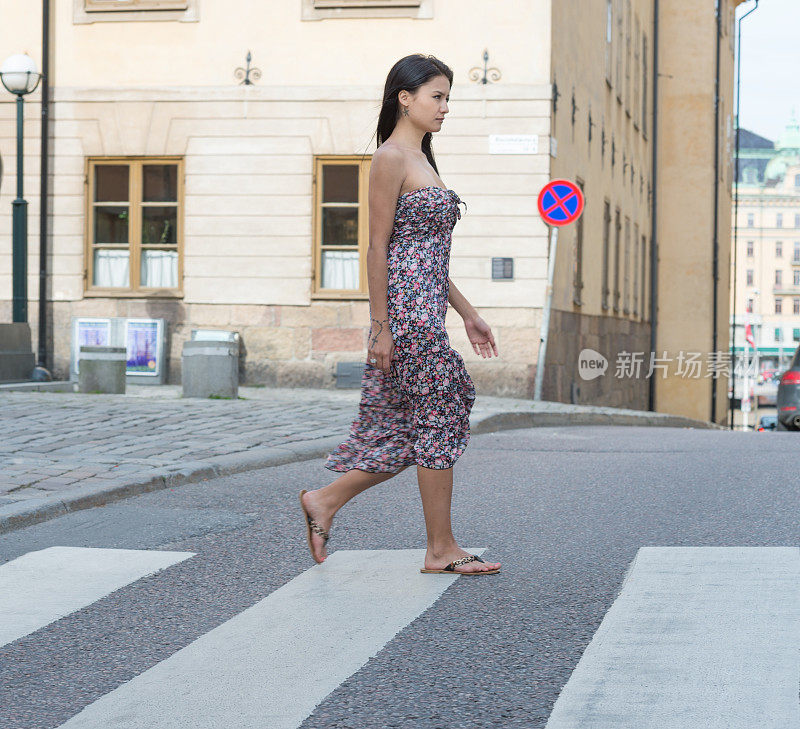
x=697, y=637
x=42, y=586
x=271, y=664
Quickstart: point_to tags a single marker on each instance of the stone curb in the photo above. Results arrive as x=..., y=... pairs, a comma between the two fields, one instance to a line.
x=505, y=421
x=36, y=510
x=33, y=511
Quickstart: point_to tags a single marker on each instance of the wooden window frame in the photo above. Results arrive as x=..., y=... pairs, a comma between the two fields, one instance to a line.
x=577, y=257
x=626, y=268
x=619, y=51
x=609, y=38
x=644, y=277
x=135, y=290
x=644, y=84
x=604, y=289
x=116, y=6
x=635, y=270
x=637, y=78
x=617, y=255
x=628, y=23
x=317, y=292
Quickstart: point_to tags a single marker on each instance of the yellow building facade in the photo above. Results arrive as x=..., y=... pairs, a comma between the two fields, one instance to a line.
x=176, y=191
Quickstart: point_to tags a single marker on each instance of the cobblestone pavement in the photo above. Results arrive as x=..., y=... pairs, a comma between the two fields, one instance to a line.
x=52, y=440
x=69, y=445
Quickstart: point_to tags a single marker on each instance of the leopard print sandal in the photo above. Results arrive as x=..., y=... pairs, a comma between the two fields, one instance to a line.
x=311, y=524
x=451, y=568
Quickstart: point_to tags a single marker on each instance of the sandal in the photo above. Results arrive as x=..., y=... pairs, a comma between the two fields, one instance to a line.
x=451, y=568
x=311, y=524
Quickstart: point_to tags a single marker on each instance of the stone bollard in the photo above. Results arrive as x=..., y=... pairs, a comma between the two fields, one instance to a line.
x=102, y=369
x=210, y=368
x=16, y=356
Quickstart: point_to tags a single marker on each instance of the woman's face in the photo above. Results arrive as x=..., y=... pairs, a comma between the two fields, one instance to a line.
x=428, y=106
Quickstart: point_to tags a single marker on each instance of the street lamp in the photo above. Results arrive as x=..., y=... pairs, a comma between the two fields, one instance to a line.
x=20, y=77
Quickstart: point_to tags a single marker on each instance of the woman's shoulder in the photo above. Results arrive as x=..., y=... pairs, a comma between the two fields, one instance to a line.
x=388, y=154
x=388, y=165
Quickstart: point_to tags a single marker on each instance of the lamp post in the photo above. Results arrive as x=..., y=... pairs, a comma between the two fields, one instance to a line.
x=18, y=74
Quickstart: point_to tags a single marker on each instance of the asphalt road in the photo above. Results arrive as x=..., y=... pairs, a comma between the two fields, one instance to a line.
x=564, y=509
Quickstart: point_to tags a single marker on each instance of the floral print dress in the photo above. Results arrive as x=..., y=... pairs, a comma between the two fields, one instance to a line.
x=419, y=412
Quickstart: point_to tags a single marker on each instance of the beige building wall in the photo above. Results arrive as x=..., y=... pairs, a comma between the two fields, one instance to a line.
x=121, y=89
x=602, y=73
x=685, y=193
x=603, y=68
x=162, y=83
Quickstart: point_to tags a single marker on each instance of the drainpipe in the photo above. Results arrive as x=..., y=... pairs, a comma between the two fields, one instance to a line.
x=43, y=357
x=651, y=395
x=736, y=204
x=715, y=267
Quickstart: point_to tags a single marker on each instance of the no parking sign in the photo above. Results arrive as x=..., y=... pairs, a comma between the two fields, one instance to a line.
x=560, y=202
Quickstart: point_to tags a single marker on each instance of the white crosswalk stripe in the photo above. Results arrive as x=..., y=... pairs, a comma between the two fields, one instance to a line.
x=271, y=664
x=699, y=637
x=40, y=587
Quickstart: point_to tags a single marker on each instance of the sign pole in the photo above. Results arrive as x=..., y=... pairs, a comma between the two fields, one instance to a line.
x=545, y=326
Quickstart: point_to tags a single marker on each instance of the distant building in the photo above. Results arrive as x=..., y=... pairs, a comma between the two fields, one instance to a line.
x=768, y=245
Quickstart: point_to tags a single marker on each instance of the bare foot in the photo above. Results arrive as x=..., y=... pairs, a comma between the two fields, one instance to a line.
x=434, y=561
x=324, y=517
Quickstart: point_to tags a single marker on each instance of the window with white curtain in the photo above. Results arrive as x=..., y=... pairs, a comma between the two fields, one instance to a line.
x=134, y=224
x=341, y=226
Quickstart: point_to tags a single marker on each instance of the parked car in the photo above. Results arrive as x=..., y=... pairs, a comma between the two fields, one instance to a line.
x=767, y=422
x=788, y=399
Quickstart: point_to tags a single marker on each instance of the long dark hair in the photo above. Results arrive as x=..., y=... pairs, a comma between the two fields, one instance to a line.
x=409, y=73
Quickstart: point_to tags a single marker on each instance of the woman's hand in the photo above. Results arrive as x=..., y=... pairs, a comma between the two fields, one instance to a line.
x=480, y=336
x=380, y=345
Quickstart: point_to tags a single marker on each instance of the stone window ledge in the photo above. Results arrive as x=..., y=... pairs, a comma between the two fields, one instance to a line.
x=310, y=12
x=81, y=16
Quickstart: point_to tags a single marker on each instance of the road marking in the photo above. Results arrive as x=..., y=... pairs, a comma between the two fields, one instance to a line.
x=271, y=664
x=698, y=637
x=40, y=587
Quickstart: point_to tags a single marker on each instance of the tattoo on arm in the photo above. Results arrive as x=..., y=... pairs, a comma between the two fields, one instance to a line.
x=374, y=339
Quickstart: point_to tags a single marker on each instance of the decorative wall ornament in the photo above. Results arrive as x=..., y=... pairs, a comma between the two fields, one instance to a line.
x=489, y=74
x=247, y=73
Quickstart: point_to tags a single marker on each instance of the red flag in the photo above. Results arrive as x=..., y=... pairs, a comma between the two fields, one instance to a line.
x=748, y=335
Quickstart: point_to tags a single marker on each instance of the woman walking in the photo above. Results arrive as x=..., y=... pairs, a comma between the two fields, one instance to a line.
x=416, y=394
